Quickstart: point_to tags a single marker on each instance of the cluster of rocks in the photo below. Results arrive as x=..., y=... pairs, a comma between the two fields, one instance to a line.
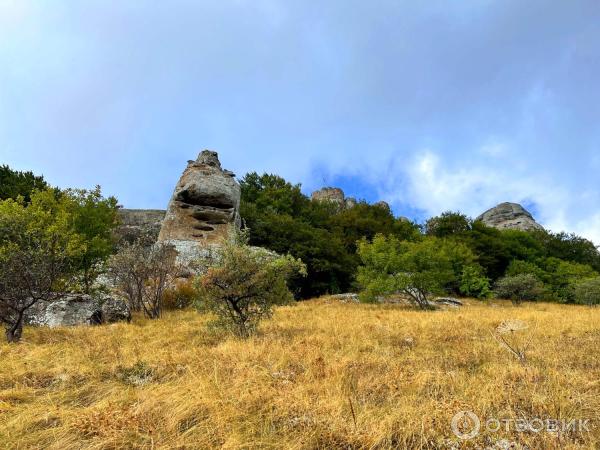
x=509, y=216
x=337, y=197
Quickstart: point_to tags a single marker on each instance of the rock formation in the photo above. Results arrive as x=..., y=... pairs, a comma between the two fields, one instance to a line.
x=77, y=309
x=335, y=196
x=509, y=216
x=204, y=204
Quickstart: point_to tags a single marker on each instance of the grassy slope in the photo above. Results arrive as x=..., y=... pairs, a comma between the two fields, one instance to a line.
x=320, y=375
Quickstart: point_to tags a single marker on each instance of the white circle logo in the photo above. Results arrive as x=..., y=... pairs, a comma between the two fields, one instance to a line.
x=466, y=425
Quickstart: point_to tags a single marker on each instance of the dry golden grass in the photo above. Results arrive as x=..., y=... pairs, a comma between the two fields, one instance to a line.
x=319, y=375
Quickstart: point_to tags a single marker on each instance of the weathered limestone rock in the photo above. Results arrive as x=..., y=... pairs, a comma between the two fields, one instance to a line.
x=205, y=203
x=509, y=216
x=77, y=309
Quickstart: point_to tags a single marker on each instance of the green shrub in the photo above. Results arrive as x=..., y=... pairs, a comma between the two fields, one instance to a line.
x=474, y=283
x=180, y=296
x=519, y=288
x=587, y=292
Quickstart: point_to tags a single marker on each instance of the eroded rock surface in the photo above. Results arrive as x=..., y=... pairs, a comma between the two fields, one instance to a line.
x=139, y=223
x=509, y=216
x=77, y=309
x=205, y=203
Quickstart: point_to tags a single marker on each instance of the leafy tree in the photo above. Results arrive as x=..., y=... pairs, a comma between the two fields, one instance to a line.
x=587, y=292
x=447, y=224
x=519, y=288
x=474, y=283
x=244, y=285
x=14, y=184
x=415, y=269
x=37, y=245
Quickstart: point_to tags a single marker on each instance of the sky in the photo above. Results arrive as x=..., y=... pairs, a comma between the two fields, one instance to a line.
x=429, y=105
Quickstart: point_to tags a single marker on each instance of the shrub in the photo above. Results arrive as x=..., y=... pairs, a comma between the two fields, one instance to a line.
x=519, y=288
x=474, y=283
x=142, y=273
x=180, y=296
x=587, y=292
x=244, y=285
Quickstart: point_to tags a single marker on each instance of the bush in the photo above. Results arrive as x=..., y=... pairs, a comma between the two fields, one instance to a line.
x=519, y=288
x=474, y=283
x=588, y=292
x=244, y=285
x=180, y=296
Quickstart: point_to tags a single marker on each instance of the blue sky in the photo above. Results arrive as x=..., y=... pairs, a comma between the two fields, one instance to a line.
x=429, y=105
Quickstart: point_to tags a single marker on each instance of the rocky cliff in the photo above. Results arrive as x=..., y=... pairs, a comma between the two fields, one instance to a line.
x=335, y=196
x=204, y=204
x=137, y=223
x=509, y=216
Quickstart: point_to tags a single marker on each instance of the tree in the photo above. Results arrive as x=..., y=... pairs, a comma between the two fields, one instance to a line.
x=244, y=285
x=14, y=184
x=94, y=218
x=587, y=292
x=447, y=224
x=415, y=269
x=519, y=288
x=37, y=244
x=141, y=274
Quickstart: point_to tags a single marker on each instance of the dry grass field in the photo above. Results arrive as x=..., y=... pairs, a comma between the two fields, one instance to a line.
x=320, y=374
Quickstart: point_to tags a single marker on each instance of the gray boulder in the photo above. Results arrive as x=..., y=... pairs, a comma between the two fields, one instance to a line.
x=77, y=309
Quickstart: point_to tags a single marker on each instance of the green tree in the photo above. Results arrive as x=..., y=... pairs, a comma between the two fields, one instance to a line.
x=447, y=224
x=474, y=283
x=415, y=269
x=587, y=292
x=37, y=245
x=14, y=184
x=244, y=285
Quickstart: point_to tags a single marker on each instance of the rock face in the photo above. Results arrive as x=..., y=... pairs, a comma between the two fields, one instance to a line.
x=137, y=223
x=335, y=196
x=77, y=309
x=509, y=216
x=205, y=202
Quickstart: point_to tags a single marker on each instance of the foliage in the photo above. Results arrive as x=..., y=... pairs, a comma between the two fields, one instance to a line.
x=447, y=224
x=141, y=273
x=519, y=288
x=415, y=269
x=587, y=292
x=244, y=285
x=473, y=282
x=14, y=184
x=281, y=218
x=37, y=246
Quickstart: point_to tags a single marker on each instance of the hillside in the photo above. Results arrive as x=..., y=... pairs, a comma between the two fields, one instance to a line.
x=320, y=374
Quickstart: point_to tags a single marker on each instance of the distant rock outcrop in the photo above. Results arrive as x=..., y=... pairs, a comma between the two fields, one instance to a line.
x=137, y=223
x=204, y=204
x=334, y=195
x=509, y=216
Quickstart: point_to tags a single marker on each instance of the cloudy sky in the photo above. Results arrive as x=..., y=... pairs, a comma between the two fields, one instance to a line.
x=429, y=105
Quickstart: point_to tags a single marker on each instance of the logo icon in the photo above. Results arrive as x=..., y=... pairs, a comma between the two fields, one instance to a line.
x=466, y=425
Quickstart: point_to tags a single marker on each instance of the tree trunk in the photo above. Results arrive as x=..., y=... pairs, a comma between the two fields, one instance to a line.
x=15, y=331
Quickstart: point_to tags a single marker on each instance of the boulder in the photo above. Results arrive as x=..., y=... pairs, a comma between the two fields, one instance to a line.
x=77, y=309
x=509, y=216
x=331, y=195
x=139, y=223
x=205, y=203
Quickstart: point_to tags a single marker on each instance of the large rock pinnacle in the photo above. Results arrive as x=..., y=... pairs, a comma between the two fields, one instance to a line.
x=205, y=202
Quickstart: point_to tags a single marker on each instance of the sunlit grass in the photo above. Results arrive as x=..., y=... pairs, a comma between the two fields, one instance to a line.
x=320, y=374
